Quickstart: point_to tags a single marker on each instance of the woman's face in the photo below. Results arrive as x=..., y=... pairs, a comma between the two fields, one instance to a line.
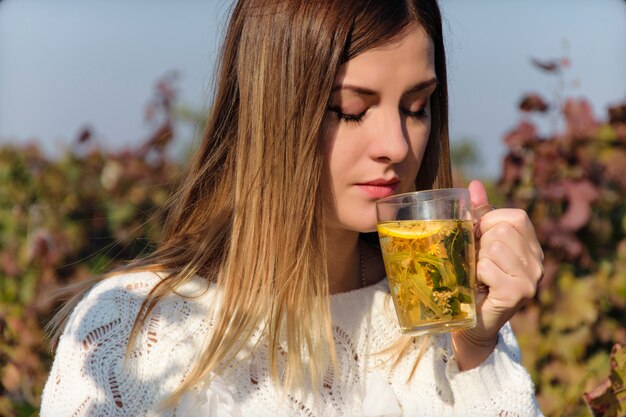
x=377, y=126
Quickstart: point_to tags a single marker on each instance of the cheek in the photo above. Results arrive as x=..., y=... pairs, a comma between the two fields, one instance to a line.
x=341, y=149
x=335, y=157
x=419, y=141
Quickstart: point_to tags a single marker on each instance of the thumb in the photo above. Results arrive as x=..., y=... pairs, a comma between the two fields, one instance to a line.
x=478, y=194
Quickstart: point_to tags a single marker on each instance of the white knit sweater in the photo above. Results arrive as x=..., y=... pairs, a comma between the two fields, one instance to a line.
x=90, y=378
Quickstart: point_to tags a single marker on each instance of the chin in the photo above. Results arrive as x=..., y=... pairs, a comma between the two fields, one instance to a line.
x=354, y=225
x=363, y=227
x=368, y=229
x=357, y=218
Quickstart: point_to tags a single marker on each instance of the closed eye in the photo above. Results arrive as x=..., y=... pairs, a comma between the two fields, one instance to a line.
x=420, y=114
x=347, y=117
x=358, y=118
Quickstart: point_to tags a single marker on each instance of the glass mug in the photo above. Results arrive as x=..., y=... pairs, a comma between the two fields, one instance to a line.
x=427, y=243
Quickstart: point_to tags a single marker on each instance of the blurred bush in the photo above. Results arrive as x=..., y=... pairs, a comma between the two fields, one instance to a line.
x=63, y=220
x=573, y=185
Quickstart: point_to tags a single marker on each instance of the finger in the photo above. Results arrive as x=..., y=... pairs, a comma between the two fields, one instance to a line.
x=480, y=204
x=505, y=290
x=479, y=199
x=511, y=254
x=518, y=220
x=507, y=234
x=478, y=194
x=504, y=257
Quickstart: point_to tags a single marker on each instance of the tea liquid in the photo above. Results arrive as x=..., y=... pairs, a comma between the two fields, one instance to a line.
x=430, y=266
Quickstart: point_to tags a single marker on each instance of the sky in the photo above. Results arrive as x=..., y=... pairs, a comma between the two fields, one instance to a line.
x=66, y=64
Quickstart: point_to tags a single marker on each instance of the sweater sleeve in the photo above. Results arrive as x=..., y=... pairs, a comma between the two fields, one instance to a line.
x=500, y=386
x=91, y=374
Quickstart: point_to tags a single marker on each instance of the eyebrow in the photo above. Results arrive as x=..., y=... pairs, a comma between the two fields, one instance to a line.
x=368, y=92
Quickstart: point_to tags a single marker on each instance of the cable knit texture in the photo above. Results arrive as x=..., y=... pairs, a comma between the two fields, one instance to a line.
x=90, y=377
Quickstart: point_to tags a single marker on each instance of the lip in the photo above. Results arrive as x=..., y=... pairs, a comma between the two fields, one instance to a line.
x=379, y=188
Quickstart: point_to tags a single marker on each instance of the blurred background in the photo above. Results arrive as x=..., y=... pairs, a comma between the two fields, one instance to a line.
x=101, y=103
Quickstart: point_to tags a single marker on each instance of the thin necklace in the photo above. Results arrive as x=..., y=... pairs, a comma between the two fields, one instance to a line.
x=362, y=264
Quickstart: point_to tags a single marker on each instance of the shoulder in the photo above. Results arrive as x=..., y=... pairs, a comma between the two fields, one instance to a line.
x=133, y=288
x=112, y=305
x=95, y=366
x=138, y=284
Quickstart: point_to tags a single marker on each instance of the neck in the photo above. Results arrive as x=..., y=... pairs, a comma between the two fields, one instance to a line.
x=344, y=266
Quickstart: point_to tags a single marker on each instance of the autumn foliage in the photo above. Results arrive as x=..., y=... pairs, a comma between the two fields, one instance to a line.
x=63, y=220
x=573, y=185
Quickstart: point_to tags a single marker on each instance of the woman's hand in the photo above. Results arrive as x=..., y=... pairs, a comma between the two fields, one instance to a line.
x=509, y=264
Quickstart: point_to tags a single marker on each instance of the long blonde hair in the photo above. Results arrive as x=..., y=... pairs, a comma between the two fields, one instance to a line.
x=249, y=215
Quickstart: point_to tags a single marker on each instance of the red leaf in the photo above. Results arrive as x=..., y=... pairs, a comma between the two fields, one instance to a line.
x=546, y=163
x=579, y=195
x=617, y=114
x=511, y=170
x=523, y=134
x=561, y=240
x=579, y=117
x=84, y=135
x=533, y=102
x=609, y=398
x=553, y=65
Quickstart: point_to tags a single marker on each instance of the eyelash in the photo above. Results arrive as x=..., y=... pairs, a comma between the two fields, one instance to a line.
x=358, y=118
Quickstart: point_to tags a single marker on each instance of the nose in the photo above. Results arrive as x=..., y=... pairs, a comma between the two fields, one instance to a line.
x=390, y=142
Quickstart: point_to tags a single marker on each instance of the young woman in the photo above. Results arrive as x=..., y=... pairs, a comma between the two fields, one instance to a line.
x=265, y=297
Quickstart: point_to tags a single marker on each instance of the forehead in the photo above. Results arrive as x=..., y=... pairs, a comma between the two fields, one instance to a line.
x=409, y=57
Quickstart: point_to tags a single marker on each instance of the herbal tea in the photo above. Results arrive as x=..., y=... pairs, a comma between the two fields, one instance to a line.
x=430, y=266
